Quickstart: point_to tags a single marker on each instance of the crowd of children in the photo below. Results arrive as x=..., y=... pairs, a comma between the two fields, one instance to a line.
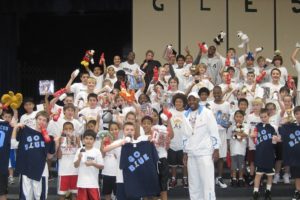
x=129, y=127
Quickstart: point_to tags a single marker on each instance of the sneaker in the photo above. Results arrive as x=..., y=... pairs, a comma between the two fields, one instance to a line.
x=268, y=195
x=220, y=182
x=241, y=183
x=286, y=178
x=276, y=178
x=11, y=180
x=296, y=195
x=185, y=183
x=172, y=183
x=250, y=181
x=233, y=183
x=255, y=196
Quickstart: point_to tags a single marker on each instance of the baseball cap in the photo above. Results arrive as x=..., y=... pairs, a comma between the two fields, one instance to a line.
x=193, y=94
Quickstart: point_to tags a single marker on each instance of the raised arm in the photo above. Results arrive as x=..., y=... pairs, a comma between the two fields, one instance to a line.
x=293, y=56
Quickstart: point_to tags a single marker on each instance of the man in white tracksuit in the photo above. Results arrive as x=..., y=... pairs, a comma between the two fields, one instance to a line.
x=201, y=146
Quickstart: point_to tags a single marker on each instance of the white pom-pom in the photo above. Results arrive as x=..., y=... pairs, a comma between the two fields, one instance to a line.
x=259, y=49
x=76, y=72
x=268, y=60
x=163, y=117
x=127, y=139
x=62, y=97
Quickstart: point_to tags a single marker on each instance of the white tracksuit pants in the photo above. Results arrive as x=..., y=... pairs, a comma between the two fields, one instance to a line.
x=201, y=178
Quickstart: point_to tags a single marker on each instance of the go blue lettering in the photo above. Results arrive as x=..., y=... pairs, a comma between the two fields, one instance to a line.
x=263, y=136
x=294, y=138
x=137, y=160
x=34, y=142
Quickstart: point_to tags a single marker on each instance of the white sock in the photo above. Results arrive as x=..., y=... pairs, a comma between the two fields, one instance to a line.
x=269, y=187
x=255, y=189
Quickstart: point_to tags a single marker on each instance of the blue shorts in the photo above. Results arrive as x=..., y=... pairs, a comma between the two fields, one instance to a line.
x=121, y=195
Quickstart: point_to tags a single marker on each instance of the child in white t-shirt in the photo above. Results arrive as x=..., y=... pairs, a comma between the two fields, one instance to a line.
x=88, y=160
x=109, y=172
x=175, y=152
x=67, y=173
x=93, y=111
x=98, y=73
x=237, y=135
x=111, y=75
x=28, y=118
x=221, y=110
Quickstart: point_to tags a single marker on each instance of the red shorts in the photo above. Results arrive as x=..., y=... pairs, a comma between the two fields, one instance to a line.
x=67, y=183
x=88, y=194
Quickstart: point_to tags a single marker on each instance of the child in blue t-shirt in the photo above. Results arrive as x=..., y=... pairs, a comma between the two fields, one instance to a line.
x=290, y=134
x=5, y=135
x=264, y=137
x=34, y=147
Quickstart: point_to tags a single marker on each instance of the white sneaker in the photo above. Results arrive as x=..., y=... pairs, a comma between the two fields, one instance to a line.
x=276, y=178
x=286, y=178
x=220, y=182
x=298, y=45
x=11, y=180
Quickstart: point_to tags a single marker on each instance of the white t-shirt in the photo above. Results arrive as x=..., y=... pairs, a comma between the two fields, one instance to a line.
x=55, y=128
x=88, y=176
x=112, y=80
x=284, y=74
x=252, y=120
x=99, y=80
x=275, y=120
x=128, y=68
x=176, y=143
x=203, y=83
x=29, y=119
x=110, y=164
x=237, y=147
x=180, y=72
x=161, y=144
x=78, y=87
x=270, y=91
x=259, y=92
x=230, y=97
x=65, y=164
x=91, y=113
x=221, y=113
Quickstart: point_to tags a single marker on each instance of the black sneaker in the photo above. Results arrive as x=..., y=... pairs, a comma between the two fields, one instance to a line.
x=233, y=183
x=172, y=183
x=268, y=195
x=250, y=181
x=241, y=183
x=296, y=195
x=255, y=196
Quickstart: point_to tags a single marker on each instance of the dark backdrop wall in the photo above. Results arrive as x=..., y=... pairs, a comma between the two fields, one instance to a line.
x=46, y=41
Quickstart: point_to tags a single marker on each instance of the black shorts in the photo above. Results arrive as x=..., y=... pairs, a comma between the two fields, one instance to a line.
x=3, y=184
x=295, y=171
x=267, y=171
x=109, y=185
x=175, y=158
x=163, y=168
x=278, y=151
